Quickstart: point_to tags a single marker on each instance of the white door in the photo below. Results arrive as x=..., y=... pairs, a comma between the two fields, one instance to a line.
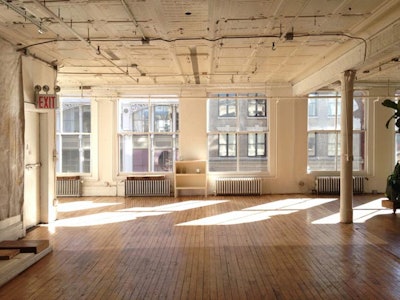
x=31, y=211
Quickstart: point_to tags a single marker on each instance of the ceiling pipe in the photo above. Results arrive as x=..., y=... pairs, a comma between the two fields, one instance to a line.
x=79, y=37
x=23, y=13
x=133, y=20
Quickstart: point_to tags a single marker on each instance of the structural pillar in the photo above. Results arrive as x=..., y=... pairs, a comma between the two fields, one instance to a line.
x=346, y=148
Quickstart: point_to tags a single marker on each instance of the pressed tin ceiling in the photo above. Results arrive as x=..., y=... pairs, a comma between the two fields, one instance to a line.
x=166, y=42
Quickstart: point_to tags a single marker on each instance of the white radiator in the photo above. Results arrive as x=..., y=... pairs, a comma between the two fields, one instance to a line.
x=69, y=186
x=238, y=186
x=147, y=187
x=331, y=184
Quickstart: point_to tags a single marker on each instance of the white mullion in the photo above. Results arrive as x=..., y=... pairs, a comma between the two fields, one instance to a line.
x=150, y=136
x=237, y=144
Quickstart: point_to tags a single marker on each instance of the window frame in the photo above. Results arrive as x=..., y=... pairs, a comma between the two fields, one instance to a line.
x=153, y=133
x=359, y=166
x=240, y=126
x=81, y=134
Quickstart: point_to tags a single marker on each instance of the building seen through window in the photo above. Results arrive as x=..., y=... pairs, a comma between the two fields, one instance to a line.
x=148, y=134
x=237, y=132
x=73, y=130
x=324, y=117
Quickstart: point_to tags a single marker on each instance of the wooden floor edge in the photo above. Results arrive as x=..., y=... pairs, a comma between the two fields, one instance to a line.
x=7, y=274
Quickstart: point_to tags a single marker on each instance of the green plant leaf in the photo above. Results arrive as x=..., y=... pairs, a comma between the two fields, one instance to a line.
x=388, y=121
x=391, y=104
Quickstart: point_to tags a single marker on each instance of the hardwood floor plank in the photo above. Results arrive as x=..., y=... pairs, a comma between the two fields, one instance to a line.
x=266, y=247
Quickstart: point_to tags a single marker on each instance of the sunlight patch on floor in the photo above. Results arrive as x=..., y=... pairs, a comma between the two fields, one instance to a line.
x=260, y=212
x=295, y=203
x=236, y=217
x=361, y=213
x=81, y=205
x=178, y=206
x=130, y=214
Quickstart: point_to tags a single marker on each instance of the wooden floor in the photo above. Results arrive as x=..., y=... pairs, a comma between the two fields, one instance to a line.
x=268, y=247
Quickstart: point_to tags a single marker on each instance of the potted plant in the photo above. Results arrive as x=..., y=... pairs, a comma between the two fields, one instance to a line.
x=393, y=180
x=396, y=115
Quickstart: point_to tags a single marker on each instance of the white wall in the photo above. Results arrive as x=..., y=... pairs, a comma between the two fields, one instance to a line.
x=288, y=141
x=34, y=73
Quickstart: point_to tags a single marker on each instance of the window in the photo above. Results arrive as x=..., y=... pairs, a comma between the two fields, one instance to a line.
x=256, y=144
x=227, y=145
x=237, y=133
x=324, y=132
x=73, y=129
x=148, y=134
x=312, y=107
x=256, y=108
x=226, y=108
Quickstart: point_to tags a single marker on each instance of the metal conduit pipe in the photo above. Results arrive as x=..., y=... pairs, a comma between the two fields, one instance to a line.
x=78, y=36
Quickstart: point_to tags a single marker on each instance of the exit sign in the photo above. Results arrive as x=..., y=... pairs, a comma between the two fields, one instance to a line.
x=46, y=101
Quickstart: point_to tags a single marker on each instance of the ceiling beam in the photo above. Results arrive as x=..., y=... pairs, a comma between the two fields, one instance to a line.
x=376, y=48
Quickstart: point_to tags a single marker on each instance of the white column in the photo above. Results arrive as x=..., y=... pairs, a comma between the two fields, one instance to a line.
x=346, y=172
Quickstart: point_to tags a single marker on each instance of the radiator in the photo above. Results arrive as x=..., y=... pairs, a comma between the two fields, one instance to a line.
x=147, y=187
x=331, y=184
x=69, y=186
x=238, y=186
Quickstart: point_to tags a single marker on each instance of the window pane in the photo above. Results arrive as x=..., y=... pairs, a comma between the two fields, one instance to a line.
x=223, y=150
x=73, y=116
x=86, y=118
x=311, y=144
x=217, y=123
x=258, y=122
x=70, y=153
x=260, y=150
x=86, y=153
x=312, y=107
x=252, y=158
x=359, y=114
x=232, y=150
x=148, y=152
x=70, y=117
x=218, y=163
x=227, y=108
x=134, y=153
x=327, y=155
x=162, y=118
x=324, y=147
x=256, y=107
x=163, y=153
x=358, y=151
x=237, y=142
x=326, y=114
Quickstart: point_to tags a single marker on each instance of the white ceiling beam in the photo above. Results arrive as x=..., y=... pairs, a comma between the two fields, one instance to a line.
x=379, y=46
